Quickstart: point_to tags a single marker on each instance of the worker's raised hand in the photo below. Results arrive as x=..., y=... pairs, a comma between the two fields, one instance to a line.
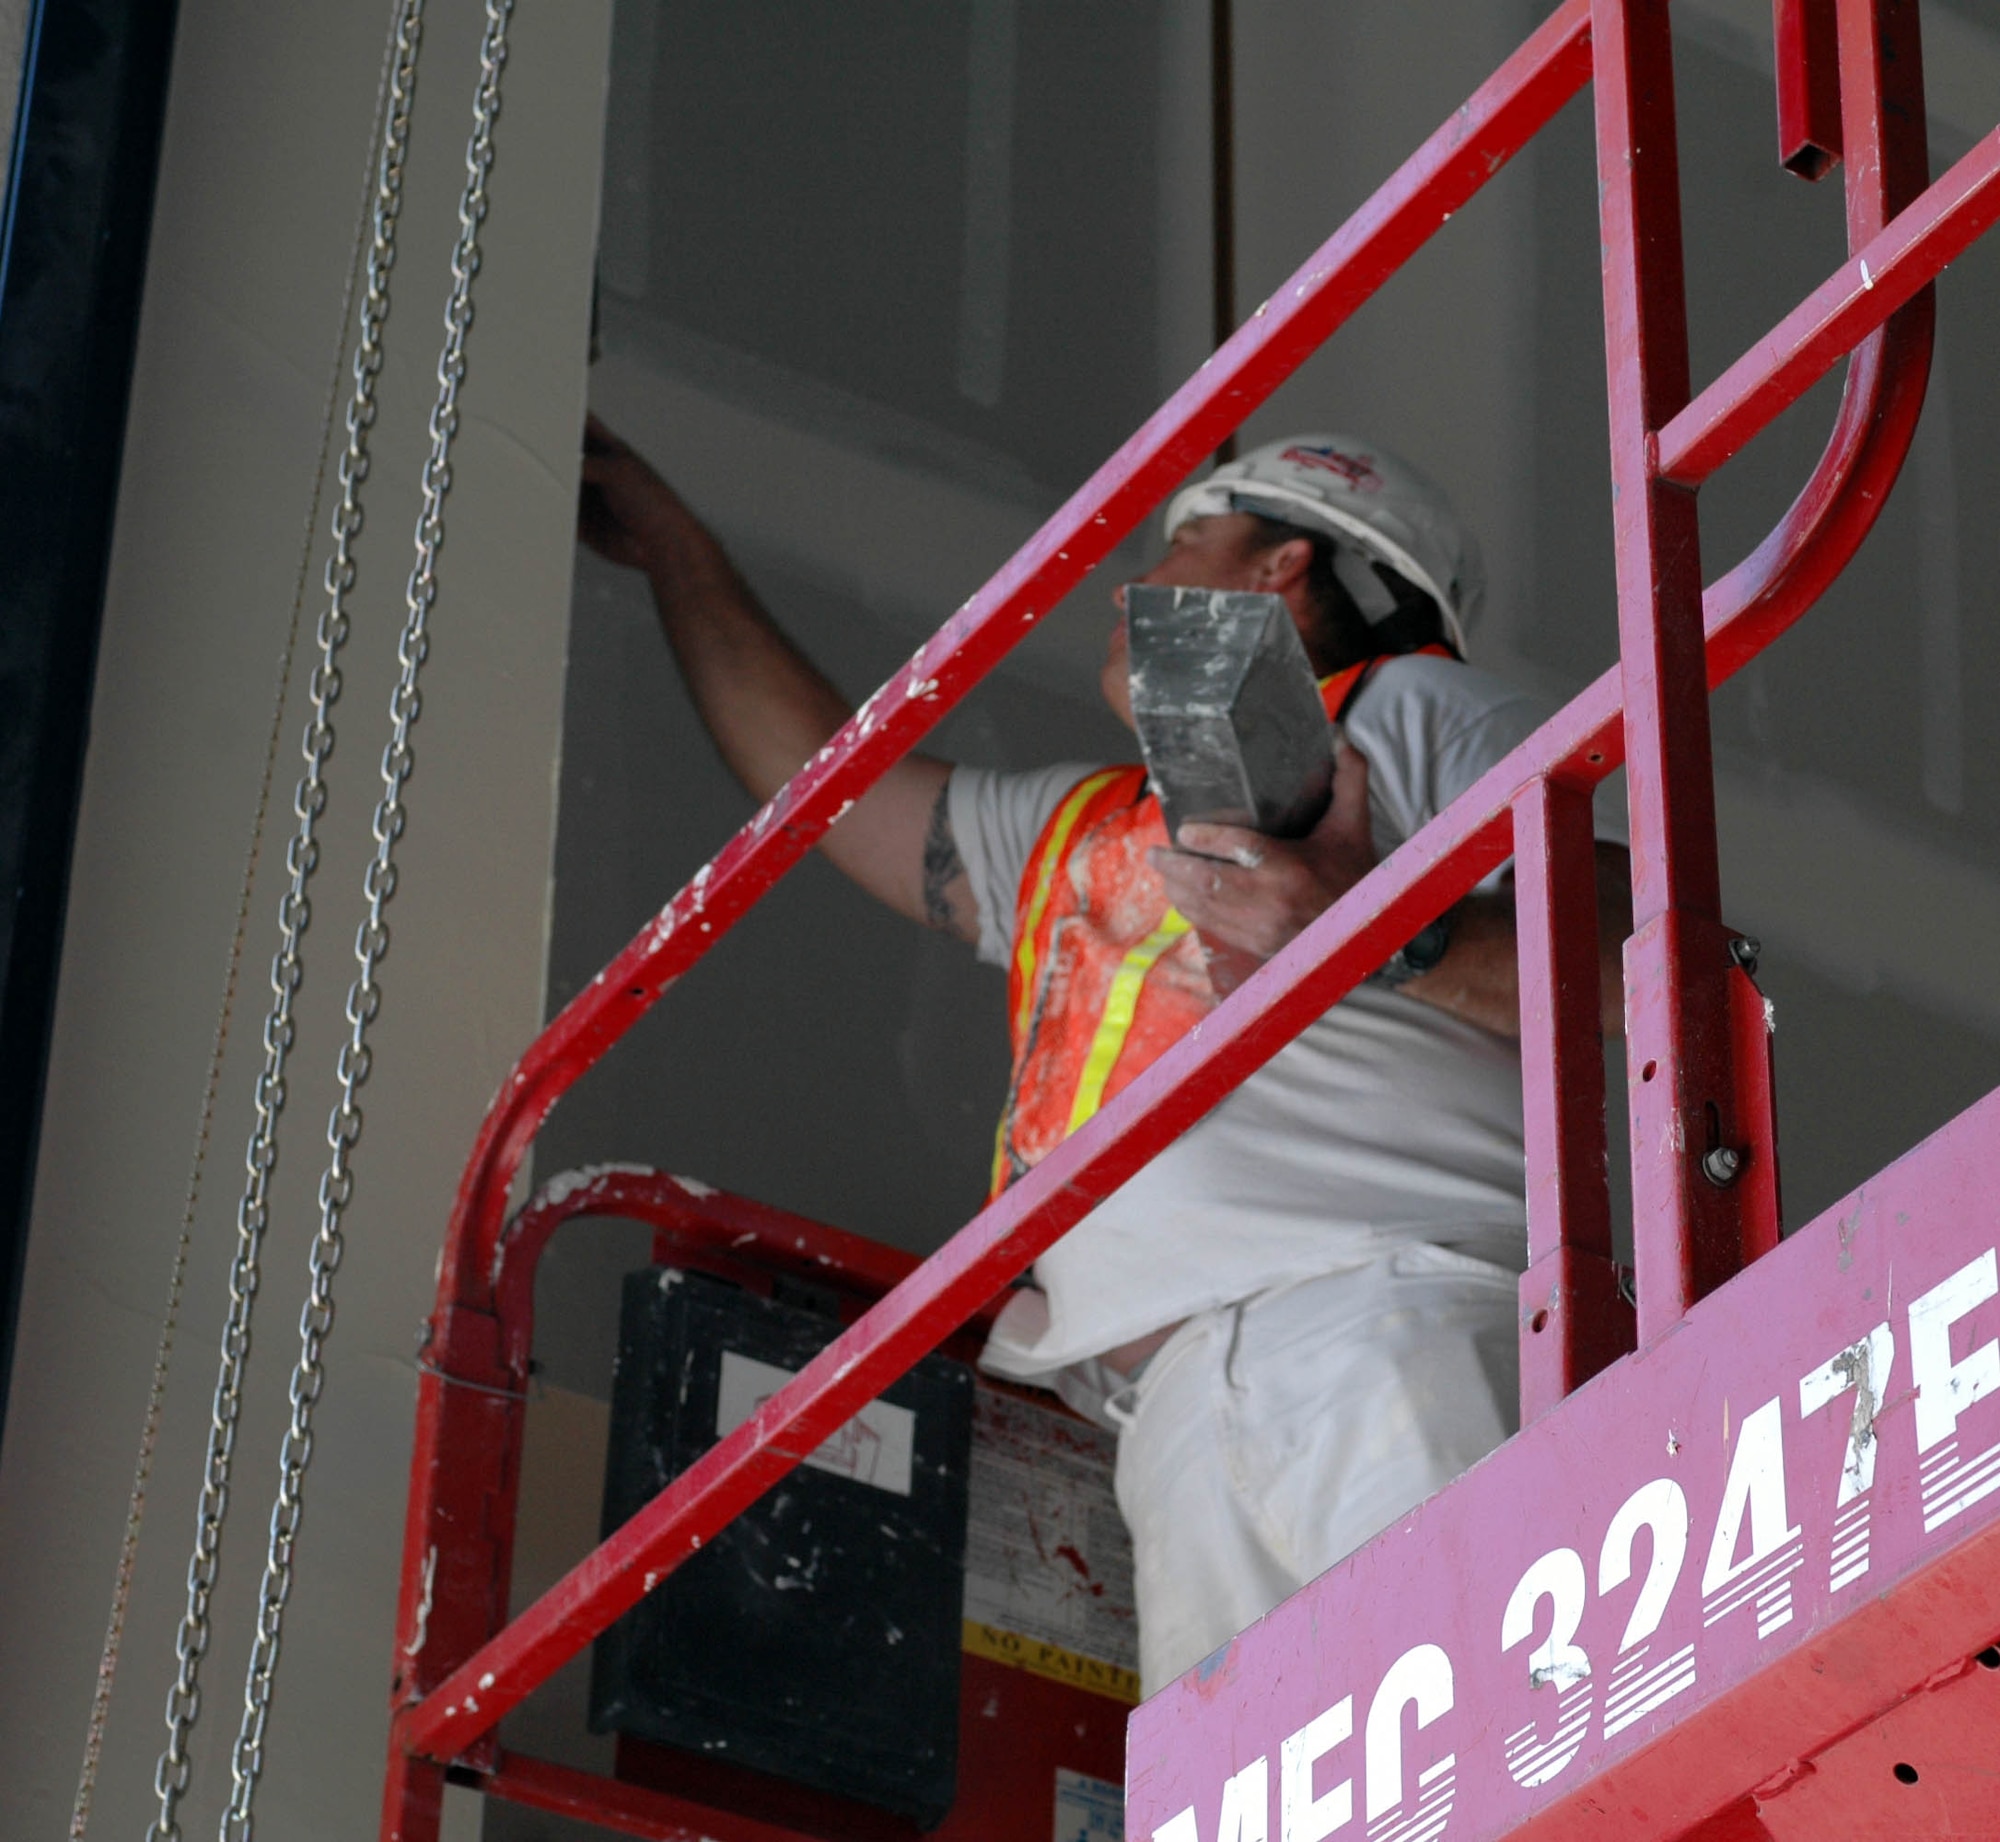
x=625, y=511
x=1244, y=891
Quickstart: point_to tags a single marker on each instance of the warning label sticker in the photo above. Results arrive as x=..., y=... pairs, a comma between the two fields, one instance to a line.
x=875, y=1447
x=1088, y=1809
x=1048, y=1565
x=1041, y=1658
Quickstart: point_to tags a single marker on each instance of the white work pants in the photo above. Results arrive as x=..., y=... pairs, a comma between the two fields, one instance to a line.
x=1268, y=1440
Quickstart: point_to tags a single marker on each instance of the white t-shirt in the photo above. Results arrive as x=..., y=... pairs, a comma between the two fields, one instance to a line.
x=1386, y=1121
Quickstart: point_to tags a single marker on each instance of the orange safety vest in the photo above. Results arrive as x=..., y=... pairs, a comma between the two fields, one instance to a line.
x=1106, y=976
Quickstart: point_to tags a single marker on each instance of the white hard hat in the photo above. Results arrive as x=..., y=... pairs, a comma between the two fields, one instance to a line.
x=1376, y=508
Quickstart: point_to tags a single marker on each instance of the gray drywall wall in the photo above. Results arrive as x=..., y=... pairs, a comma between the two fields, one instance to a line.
x=263, y=171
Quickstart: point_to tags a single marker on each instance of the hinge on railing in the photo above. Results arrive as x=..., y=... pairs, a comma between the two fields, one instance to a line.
x=1755, y=1172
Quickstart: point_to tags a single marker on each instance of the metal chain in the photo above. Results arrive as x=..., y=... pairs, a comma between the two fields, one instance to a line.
x=391, y=130
x=156, y=1393
x=371, y=946
x=149, y=1432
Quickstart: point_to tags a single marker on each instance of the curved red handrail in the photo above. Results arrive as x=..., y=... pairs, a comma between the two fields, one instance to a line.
x=691, y=1222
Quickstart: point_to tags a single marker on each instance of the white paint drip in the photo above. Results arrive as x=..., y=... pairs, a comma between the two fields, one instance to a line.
x=559, y=1190
x=417, y=1638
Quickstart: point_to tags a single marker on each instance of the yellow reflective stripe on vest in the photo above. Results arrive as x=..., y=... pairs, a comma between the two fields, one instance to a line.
x=1121, y=1002
x=1057, y=849
x=998, y=1181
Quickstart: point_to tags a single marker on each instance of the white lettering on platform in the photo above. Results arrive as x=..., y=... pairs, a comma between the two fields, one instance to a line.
x=1862, y=1368
x=876, y=1447
x=1407, y=1783
x=1945, y=1389
x=1302, y=1816
x=1756, y=1484
x=1638, y=1683
x=1420, y=1677
x=1661, y=1506
x=1246, y=1805
x=1559, y=1662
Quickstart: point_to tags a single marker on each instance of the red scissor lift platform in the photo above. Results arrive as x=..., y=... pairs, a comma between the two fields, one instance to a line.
x=1744, y=1582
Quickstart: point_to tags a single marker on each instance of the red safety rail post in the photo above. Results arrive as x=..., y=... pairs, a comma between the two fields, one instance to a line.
x=1574, y=1321
x=1687, y=1229
x=1807, y=36
x=467, y=1676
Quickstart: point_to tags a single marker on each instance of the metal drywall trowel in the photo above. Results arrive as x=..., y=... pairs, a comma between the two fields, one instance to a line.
x=1227, y=708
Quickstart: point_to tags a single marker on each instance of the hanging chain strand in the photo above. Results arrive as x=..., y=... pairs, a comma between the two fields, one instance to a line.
x=371, y=946
x=149, y=1433
x=171, y=1774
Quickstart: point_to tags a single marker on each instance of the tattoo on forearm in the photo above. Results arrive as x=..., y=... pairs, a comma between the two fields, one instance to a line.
x=942, y=864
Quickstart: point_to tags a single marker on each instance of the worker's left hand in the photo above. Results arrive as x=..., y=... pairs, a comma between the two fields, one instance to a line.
x=1257, y=894
x=625, y=511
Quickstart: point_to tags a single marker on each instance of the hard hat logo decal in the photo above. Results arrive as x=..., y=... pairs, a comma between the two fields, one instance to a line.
x=1358, y=470
x=1373, y=507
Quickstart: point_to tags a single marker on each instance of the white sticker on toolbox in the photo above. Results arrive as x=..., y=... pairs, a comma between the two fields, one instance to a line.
x=1046, y=1552
x=876, y=1447
x=1088, y=1809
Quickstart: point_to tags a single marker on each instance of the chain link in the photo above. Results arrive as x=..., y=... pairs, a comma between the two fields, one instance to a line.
x=364, y=998
x=171, y=1774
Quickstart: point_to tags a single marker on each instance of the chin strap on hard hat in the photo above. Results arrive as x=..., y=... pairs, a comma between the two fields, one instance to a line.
x=1355, y=573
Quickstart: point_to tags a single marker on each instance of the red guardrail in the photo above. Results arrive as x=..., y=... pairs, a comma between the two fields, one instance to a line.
x=459, y=1671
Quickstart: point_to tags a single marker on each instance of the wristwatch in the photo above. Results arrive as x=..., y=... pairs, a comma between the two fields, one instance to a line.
x=1418, y=955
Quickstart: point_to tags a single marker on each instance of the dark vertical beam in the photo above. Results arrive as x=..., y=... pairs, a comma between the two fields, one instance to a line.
x=1222, y=180
x=78, y=213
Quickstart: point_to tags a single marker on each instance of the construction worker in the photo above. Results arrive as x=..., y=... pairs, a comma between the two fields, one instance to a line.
x=1301, y=1317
